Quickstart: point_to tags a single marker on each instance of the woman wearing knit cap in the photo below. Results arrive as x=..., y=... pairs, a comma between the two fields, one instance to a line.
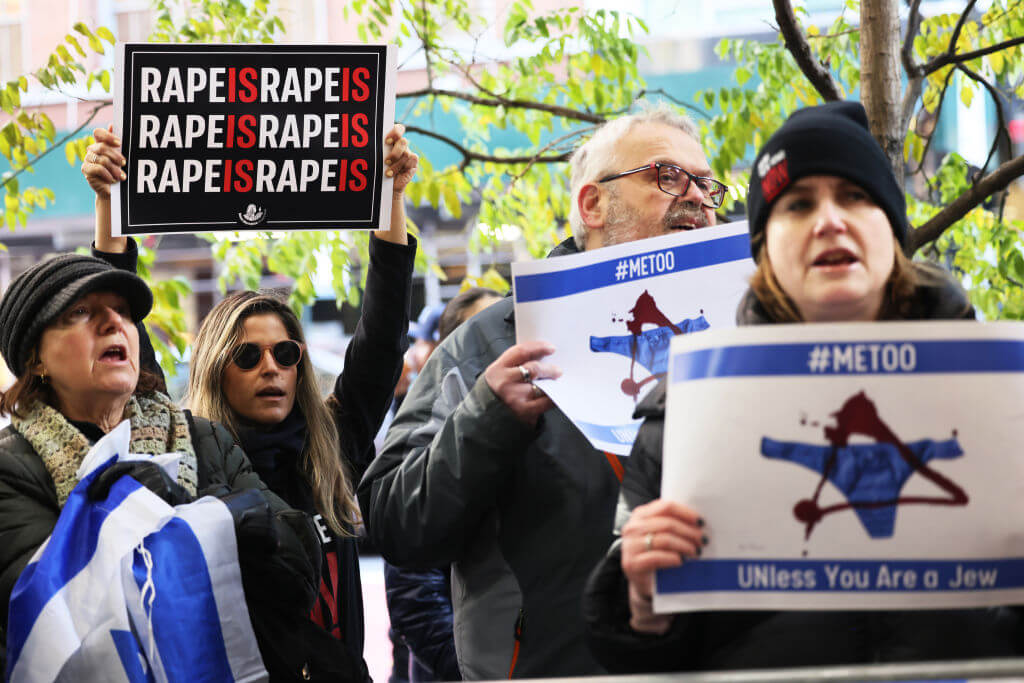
x=68, y=333
x=250, y=371
x=827, y=222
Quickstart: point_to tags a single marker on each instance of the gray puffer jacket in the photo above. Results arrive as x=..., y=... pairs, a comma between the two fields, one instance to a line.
x=521, y=514
x=702, y=641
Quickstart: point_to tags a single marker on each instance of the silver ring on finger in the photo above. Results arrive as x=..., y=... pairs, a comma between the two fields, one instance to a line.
x=537, y=391
x=524, y=373
x=649, y=540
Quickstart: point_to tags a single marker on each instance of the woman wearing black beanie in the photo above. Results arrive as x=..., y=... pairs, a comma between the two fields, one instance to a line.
x=827, y=223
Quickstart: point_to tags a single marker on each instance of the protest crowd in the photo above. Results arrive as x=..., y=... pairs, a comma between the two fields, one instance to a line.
x=514, y=546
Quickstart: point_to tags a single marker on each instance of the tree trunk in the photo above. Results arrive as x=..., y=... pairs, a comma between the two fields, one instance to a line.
x=880, y=76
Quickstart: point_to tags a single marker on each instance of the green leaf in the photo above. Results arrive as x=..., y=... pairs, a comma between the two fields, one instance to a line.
x=105, y=33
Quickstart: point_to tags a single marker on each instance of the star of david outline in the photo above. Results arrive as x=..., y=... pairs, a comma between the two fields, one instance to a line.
x=870, y=476
x=649, y=348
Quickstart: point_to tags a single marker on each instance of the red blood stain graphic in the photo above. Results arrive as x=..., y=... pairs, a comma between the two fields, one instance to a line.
x=870, y=475
x=859, y=416
x=644, y=311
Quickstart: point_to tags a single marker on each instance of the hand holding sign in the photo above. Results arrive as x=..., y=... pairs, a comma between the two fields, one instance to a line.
x=402, y=164
x=511, y=377
x=659, y=534
x=103, y=164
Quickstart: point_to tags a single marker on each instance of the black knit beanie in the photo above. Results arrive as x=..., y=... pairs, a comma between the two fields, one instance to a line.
x=39, y=295
x=831, y=139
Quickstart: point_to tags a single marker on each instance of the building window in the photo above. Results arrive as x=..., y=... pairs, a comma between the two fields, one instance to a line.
x=10, y=50
x=134, y=25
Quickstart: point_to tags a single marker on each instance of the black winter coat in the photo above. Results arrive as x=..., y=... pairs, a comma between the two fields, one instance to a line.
x=703, y=641
x=331, y=649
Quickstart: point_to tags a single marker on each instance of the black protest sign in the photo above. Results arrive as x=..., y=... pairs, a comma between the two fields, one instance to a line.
x=265, y=137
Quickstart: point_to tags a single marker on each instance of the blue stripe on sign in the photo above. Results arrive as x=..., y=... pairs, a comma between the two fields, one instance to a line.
x=621, y=434
x=850, y=358
x=685, y=257
x=182, y=586
x=841, y=576
x=71, y=547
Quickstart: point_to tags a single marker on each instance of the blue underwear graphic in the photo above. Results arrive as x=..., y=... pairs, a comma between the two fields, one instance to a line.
x=865, y=473
x=652, y=346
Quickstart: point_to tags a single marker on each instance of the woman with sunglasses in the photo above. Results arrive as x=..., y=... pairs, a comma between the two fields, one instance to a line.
x=249, y=371
x=827, y=226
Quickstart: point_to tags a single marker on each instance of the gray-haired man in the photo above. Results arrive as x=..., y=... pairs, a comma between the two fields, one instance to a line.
x=480, y=470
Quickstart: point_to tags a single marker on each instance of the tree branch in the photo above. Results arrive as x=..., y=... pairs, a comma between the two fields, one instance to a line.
x=987, y=186
x=947, y=58
x=915, y=81
x=796, y=43
x=95, y=110
x=1001, y=129
x=469, y=155
x=955, y=36
x=913, y=27
x=550, y=145
x=938, y=113
x=564, y=112
x=661, y=91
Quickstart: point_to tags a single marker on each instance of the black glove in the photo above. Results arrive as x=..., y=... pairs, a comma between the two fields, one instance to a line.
x=147, y=473
x=279, y=554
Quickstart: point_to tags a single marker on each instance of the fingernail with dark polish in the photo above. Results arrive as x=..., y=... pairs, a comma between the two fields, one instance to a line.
x=700, y=521
x=704, y=540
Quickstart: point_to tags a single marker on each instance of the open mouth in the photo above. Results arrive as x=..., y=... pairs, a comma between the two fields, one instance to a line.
x=270, y=392
x=115, y=353
x=683, y=226
x=835, y=257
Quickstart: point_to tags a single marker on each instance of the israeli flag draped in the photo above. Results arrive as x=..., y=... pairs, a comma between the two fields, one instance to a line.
x=132, y=589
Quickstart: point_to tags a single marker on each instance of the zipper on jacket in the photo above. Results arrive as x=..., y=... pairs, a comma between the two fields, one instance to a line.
x=518, y=635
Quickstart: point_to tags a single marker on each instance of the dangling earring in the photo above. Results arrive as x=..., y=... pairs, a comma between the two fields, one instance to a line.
x=43, y=377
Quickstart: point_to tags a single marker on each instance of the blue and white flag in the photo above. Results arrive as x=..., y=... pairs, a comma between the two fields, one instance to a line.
x=132, y=589
x=611, y=313
x=848, y=466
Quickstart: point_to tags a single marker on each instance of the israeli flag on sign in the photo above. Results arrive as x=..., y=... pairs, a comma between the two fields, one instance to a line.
x=132, y=589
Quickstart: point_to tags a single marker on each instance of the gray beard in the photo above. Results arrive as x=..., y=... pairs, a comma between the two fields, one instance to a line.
x=621, y=221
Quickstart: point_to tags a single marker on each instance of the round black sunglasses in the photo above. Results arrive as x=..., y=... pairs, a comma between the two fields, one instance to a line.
x=286, y=353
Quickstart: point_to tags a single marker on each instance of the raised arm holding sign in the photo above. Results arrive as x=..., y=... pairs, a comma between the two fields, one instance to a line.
x=251, y=371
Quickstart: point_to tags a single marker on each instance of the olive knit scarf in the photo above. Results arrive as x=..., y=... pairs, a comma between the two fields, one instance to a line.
x=158, y=426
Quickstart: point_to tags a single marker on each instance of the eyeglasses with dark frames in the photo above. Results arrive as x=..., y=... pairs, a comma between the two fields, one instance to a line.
x=676, y=181
x=286, y=353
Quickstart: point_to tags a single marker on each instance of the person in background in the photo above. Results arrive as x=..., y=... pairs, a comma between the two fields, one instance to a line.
x=251, y=372
x=827, y=226
x=420, y=601
x=68, y=332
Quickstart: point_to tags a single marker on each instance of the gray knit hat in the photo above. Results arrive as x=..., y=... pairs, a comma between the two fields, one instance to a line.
x=39, y=295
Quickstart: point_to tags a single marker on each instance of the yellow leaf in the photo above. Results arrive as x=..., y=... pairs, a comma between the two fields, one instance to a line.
x=996, y=61
x=966, y=95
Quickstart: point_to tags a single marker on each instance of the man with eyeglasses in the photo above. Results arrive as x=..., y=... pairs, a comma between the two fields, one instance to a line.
x=480, y=470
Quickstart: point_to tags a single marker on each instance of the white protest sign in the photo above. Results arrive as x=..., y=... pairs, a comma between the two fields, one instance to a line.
x=848, y=466
x=611, y=313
